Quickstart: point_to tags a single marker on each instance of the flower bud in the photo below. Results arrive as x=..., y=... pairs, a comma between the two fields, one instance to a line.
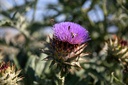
x=8, y=74
x=118, y=50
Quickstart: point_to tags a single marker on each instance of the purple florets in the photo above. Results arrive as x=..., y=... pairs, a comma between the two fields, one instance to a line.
x=70, y=32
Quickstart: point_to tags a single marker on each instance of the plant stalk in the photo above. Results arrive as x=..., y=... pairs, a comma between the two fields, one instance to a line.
x=61, y=79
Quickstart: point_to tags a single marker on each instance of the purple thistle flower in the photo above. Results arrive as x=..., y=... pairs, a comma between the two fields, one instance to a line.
x=67, y=45
x=70, y=32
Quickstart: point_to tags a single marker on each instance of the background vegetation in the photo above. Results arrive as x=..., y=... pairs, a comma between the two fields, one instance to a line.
x=24, y=36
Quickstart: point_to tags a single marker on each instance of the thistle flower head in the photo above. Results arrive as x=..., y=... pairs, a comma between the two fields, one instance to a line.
x=70, y=32
x=67, y=45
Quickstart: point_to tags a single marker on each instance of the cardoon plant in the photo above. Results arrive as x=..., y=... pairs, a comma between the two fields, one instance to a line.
x=66, y=47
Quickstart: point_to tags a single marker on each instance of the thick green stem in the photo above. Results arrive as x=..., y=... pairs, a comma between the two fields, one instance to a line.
x=61, y=79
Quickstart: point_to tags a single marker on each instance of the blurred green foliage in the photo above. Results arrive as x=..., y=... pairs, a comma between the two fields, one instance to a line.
x=24, y=48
